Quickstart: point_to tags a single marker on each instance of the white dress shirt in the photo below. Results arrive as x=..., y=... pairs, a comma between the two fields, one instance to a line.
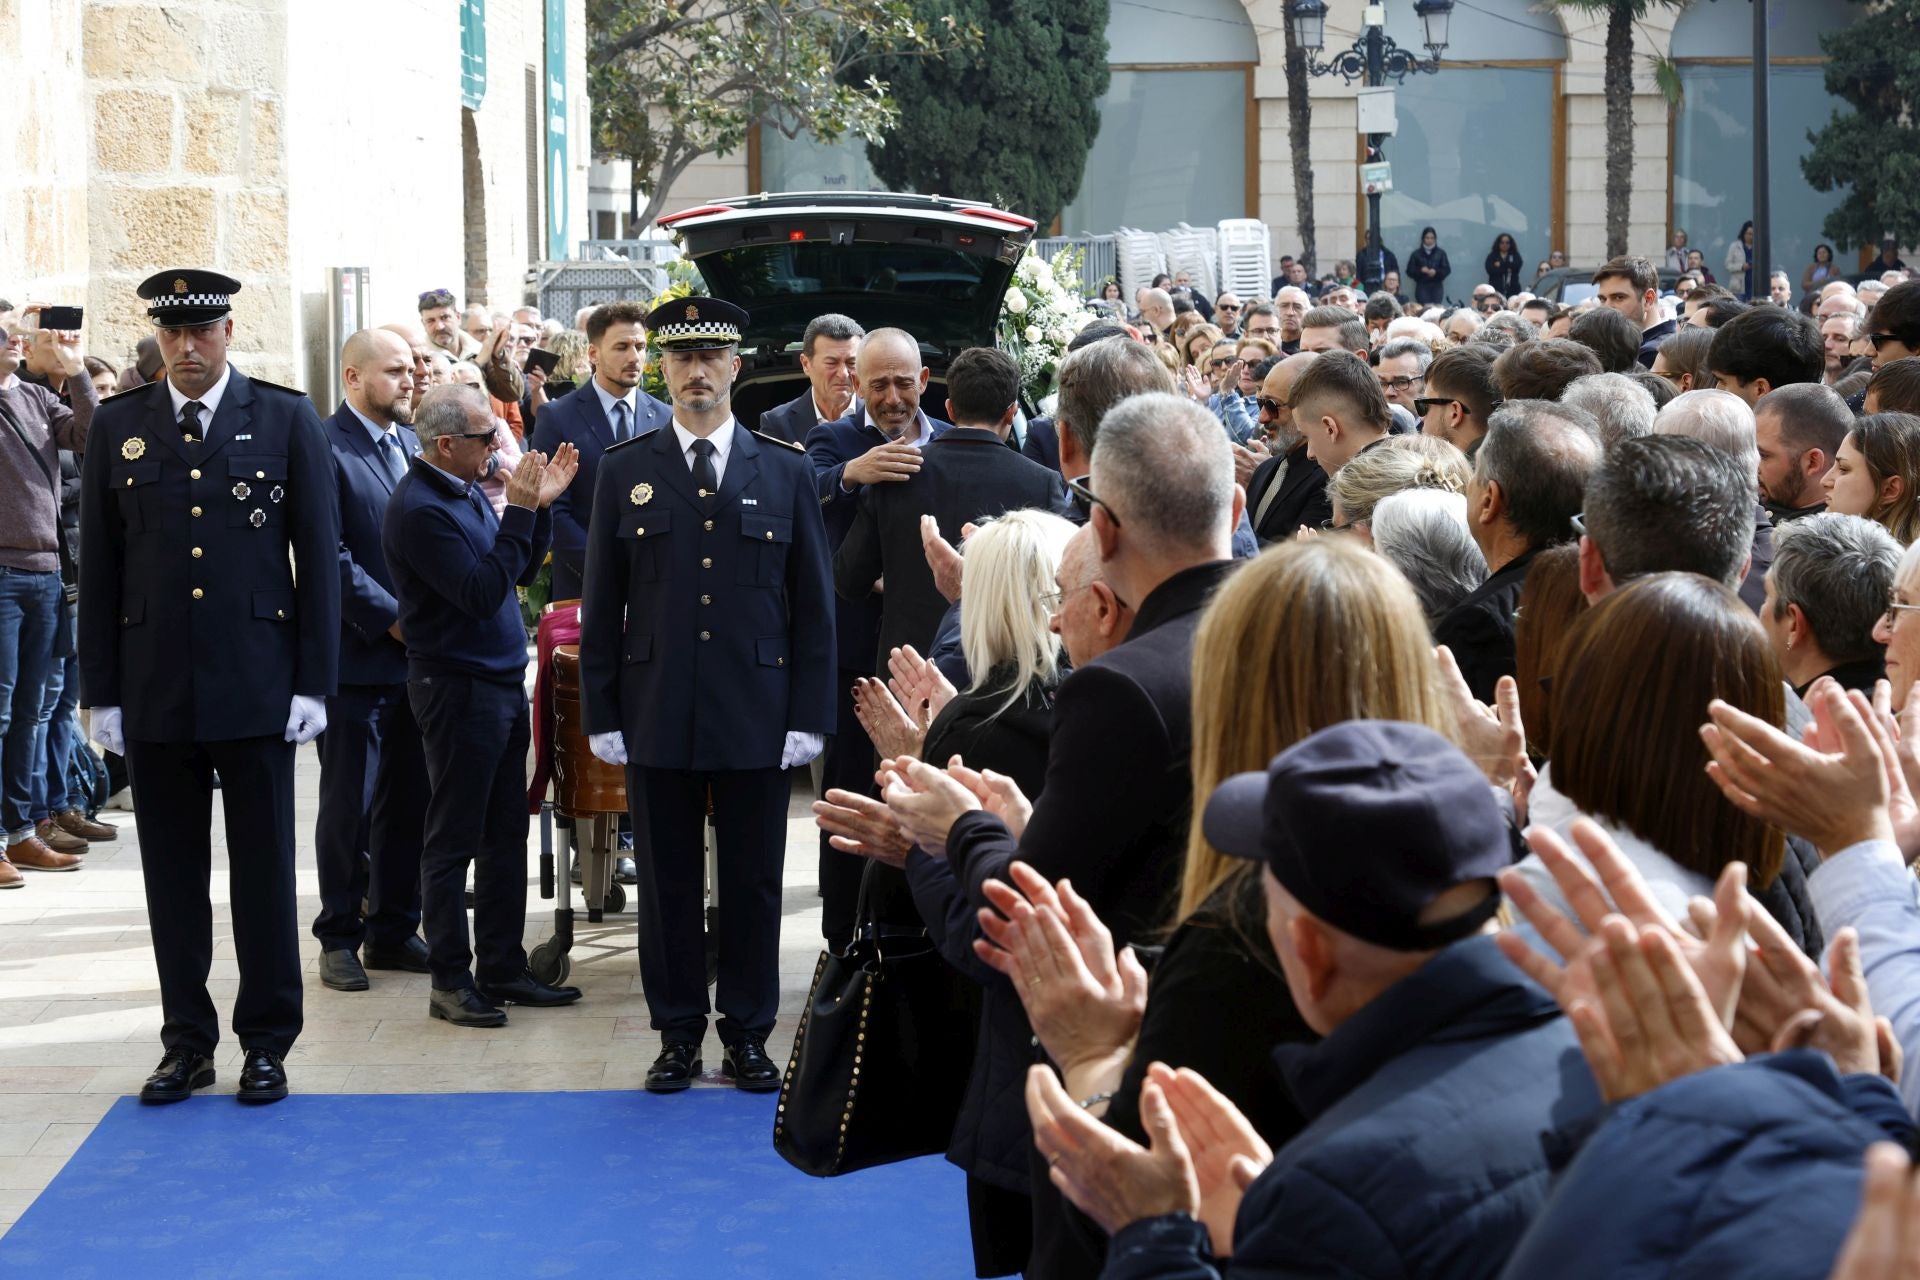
x=722, y=446
x=209, y=402
x=608, y=400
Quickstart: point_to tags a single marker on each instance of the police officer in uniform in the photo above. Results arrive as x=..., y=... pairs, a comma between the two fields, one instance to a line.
x=209, y=630
x=707, y=663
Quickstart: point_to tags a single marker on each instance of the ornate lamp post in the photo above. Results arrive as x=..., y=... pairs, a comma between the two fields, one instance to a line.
x=1374, y=59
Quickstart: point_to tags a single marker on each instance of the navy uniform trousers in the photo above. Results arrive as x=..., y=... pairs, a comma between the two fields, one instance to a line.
x=373, y=799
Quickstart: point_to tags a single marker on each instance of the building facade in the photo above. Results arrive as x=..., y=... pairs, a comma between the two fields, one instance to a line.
x=437, y=143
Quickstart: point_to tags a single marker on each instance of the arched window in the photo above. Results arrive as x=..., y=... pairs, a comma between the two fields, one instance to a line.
x=1477, y=152
x=1712, y=188
x=1175, y=123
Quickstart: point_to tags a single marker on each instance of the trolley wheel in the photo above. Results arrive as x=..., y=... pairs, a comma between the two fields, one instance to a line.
x=713, y=945
x=549, y=963
x=616, y=897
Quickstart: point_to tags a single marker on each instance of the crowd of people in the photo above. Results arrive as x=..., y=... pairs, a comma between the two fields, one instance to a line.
x=1405, y=791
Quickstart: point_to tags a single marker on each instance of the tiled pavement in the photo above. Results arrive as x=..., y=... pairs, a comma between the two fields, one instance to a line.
x=80, y=1010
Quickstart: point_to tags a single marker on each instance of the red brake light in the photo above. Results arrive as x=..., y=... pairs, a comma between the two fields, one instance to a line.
x=694, y=213
x=796, y=236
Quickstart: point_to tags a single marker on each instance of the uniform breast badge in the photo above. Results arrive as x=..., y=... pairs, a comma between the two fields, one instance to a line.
x=642, y=494
x=241, y=491
x=258, y=518
x=133, y=449
x=277, y=494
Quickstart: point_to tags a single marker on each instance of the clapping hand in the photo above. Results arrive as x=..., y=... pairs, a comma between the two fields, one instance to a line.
x=999, y=795
x=1228, y=1152
x=888, y=725
x=862, y=826
x=524, y=485
x=1084, y=1001
x=1885, y=1241
x=558, y=473
x=927, y=802
x=1113, y=1180
x=1493, y=737
x=1195, y=385
x=946, y=563
x=1785, y=1003
x=917, y=684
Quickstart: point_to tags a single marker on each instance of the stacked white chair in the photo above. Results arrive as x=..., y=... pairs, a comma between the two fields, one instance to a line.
x=1139, y=259
x=1196, y=251
x=1246, y=257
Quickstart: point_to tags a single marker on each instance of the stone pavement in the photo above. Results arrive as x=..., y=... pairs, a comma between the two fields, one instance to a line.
x=80, y=1004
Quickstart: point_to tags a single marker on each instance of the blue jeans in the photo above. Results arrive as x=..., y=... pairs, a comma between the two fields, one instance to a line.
x=59, y=726
x=31, y=607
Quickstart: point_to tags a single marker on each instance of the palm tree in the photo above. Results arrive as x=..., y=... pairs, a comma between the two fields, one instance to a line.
x=1299, y=136
x=1621, y=16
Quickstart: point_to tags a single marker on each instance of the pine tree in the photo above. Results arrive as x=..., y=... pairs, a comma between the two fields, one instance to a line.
x=1873, y=65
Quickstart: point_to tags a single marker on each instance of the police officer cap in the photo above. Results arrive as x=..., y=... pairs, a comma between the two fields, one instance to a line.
x=188, y=296
x=695, y=324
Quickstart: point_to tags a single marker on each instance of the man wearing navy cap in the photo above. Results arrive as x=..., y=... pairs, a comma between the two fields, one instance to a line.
x=707, y=661
x=209, y=634
x=1440, y=1069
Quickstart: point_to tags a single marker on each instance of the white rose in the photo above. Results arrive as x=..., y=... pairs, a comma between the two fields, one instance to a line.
x=1061, y=336
x=1016, y=302
x=1042, y=273
x=1033, y=333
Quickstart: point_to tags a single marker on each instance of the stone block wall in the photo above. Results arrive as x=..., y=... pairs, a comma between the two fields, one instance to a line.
x=44, y=254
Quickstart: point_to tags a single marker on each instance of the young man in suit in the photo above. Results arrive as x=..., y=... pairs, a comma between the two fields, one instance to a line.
x=373, y=778
x=608, y=408
x=966, y=474
x=827, y=358
x=706, y=665
x=1289, y=490
x=209, y=638
x=875, y=444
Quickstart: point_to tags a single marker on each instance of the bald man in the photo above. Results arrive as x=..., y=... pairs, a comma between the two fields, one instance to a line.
x=1288, y=491
x=373, y=780
x=877, y=442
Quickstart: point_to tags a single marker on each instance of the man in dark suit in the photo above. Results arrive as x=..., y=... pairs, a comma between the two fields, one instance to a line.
x=373, y=779
x=827, y=351
x=209, y=634
x=454, y=566
x=1288, y=491
x=966, y=474
x=1631, y=286
x=609, y=408
x=707, y=661
x=876, y=443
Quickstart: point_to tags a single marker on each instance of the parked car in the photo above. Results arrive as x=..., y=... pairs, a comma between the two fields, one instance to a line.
x=937, y=267
x=1569, y=286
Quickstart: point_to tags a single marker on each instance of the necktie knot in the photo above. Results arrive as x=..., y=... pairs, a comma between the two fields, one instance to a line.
x=704, y=448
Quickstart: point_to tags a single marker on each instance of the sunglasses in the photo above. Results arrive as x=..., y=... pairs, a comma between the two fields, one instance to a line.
x=1880, y=340
x=1086, y=495
x=1424, y=405
x=473, y=435
x=1226, y=306
x=1268, y=405
x=1223, y=362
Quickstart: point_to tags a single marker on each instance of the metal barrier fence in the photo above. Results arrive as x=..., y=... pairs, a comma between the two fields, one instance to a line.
x=1100, y=261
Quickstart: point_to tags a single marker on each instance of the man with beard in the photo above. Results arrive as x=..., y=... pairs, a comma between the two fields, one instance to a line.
x=373, y=778
x=707, y=666
x=1288, y=492
x=826, y=357
x=1798, y=429
x=593, y=418
x=440, y=317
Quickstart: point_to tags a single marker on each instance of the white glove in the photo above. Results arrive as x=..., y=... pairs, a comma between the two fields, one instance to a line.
x=306, y=720
x=107, y=731
x=610, y=747
x=800, y=749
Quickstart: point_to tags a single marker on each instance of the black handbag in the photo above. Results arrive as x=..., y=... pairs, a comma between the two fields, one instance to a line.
x=882, y=1054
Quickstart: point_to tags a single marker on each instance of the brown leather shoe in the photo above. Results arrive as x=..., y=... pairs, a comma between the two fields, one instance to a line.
x=10, y=877
x=32, y=855
x=74, y=822
x=58, y=840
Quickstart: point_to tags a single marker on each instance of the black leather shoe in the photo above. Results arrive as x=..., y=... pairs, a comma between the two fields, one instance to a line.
x=464, y=1008
x=749, y=1067
x=675, y=1068
x=528, y=990
x=410, y=955
x=262, y=1077
x=180, y=1072
x=340, y=969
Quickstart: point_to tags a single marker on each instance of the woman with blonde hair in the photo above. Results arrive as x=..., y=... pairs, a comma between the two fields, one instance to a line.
x=1395, y=464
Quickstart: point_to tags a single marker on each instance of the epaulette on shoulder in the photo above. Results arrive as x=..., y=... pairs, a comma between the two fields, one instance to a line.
x=274, y=386
x=784, y=444
x=621, y=444
x=130, y=391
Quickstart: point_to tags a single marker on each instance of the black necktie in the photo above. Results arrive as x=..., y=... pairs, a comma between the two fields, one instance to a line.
x=704, y=478
x=190, y=420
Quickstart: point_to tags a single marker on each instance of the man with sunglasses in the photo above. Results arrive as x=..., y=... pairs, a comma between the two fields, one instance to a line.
x=1288, y=491
x=1226, y=314
x=1460, y=396
x=1894, y=326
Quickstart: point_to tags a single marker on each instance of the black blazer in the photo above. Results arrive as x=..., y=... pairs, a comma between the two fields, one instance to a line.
x=1043, y=443
x=368, y=655
x=792, y=420
x=1479, y=629
x=1650, y=341
x=1303, y=501
x=966, y=473
x=577, y=418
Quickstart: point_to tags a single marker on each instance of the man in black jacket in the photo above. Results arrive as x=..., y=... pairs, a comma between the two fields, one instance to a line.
x=1288, y=491
x=827, y=350
x=967, y=474
x=1529, y=481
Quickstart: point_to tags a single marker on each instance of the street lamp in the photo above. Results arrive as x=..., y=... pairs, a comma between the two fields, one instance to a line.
x=1374, y=59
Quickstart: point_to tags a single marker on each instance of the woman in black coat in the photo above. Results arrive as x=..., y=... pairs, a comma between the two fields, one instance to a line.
x=1503, y=266
x=1429, y=268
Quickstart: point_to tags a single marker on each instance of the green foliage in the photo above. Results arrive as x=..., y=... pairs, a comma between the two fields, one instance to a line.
x=1010, y=121
x=1873, y=65
x=673, y=80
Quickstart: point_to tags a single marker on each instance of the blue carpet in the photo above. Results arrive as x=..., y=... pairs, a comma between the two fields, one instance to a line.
x=477, y=1186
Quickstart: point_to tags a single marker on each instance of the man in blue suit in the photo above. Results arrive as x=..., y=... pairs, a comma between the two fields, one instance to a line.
x=373, y=779
x=209, y=635
x=877, y=442
x=608, y=408
x=706, y=666
x=827, y=351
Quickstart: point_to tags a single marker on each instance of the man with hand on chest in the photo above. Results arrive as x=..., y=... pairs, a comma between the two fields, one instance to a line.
x=209, y=634
x=707, y=664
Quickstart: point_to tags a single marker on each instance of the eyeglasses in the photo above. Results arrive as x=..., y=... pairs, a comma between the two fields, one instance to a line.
x=1226, y=306
x=1403, y=384
x=1271, y=406
x=1880, y=340
x=1328, y=526
x=1086, y=495
x=1895, y=609
x=1671, y=375
x=1423, y=405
